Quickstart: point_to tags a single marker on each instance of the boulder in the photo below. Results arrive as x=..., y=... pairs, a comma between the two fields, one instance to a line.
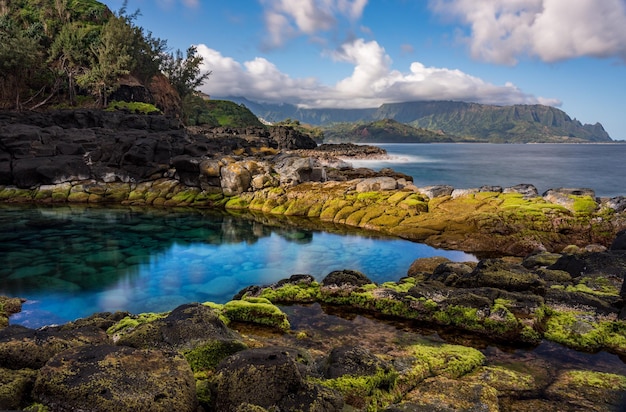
x=353, y=361
x=376, y=184
x=345, y=277
x=568, y=197
x=527, y=190
x=186, y=327
x=272, y=378
x=116, y=378
x=21, y=347
x=289, y=138
x=235, y=179
x=620, y=241
x=436, y=191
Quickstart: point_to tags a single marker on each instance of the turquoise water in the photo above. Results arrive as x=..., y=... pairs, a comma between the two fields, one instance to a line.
x=71, y=262
x=600, y=167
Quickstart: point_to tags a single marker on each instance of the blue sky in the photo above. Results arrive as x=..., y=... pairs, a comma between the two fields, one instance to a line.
x=362, y=53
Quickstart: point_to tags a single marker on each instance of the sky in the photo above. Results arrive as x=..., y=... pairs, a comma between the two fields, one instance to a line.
x=569, y=54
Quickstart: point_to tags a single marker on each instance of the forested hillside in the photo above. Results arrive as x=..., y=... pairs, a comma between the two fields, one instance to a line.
x=67, y=53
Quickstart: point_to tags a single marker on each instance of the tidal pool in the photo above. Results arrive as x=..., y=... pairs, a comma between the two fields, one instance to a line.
x=73, y=261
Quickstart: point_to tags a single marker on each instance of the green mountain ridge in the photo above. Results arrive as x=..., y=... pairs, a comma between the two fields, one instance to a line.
x=461, y=121
x=385, y=130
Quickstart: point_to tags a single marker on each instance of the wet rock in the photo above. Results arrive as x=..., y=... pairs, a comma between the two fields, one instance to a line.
x=21, y=347
x=376, y=184
x=427, y=265
x=498, y=274
x=354, y=361
x=583, y=390
x=185, y=327
x=345, y=277
x=620, y=241
x=15, y=387
x=270, y=377
x=450, y=273
x=527, y=190
x=8, y=307
x=618, y=204
x=116, y=378
x=541, y=259
x=441, y=394
x=436, y=191
x=568, y=197
x=610, y=263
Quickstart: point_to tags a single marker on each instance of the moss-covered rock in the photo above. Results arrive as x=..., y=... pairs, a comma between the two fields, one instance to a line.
x=184, y=328
x=259, y=311
x=8, y=307
x=270, y=377
x=29, y=348
x=588, y=390
x=116, y=378
x=451, y=361
x=448, y=395
x=15, y=387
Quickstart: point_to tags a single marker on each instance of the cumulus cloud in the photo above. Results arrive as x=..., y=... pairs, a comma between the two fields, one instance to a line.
x=501, y=31
x=371, y=83
x=286, y=19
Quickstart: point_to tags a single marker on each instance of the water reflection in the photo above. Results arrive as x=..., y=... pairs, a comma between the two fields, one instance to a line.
x=73, y=261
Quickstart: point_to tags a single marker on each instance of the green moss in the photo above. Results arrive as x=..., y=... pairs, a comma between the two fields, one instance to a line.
x=131, y=322
x=237, y=202
x=210, y=354
x=502, y=320
x=580, y=330
x=135, y=107
x=259, y=311
x=452, y=361
x=584, y=204
x=291, y=293
x=403, y=286
x=368, y=392
x=597, y=380
x=219, y=308
x=466, y=317
x=594, y=286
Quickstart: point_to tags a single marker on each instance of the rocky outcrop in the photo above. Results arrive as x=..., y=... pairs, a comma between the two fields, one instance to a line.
x=145, y=362
x=116, y=378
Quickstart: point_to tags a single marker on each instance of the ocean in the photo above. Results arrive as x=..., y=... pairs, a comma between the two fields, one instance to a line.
x=601, y=167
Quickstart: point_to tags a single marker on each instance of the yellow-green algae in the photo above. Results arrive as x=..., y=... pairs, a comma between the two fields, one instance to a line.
x=452, y=361
x=367, y=392
x=258, y=311
x=131, y=322
x=584, y=330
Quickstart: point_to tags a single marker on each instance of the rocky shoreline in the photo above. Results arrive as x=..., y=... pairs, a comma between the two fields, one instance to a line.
x=552, y=270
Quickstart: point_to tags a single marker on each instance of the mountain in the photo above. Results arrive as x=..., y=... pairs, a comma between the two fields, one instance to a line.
x=460, y=120
x=386, y=130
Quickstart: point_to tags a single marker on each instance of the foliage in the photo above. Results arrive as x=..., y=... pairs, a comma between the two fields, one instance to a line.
x=63, y=49
x=184, y=73
x=201, y=111
x=382, y=131
x=134, y=107
x=315, y=132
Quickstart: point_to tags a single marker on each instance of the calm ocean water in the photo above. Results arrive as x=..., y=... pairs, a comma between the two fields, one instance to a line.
x=601, y=167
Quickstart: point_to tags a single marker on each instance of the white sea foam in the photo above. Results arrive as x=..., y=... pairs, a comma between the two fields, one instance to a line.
x=389, y=161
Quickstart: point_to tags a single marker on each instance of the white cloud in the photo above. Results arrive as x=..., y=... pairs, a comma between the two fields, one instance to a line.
x=501, y=31
x=286, y=19
x=372, y=82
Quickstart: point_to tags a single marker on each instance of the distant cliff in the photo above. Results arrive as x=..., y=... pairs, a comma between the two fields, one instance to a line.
x=459, y=120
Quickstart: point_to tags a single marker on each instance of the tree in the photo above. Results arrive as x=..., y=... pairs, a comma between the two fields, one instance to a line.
x=70, y=53
x=185, y=74
x=110, y=59
x=20, y=57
